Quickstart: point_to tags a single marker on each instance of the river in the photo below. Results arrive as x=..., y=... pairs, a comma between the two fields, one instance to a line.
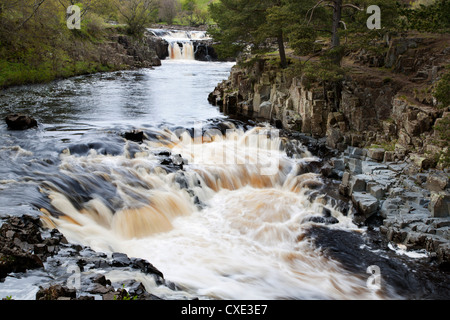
x=231, y=222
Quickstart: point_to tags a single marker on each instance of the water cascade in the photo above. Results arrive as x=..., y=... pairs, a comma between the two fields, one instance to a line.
x=181, y=43
x=224, y=218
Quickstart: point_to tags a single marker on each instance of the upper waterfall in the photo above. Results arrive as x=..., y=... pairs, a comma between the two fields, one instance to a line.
x=183, y=44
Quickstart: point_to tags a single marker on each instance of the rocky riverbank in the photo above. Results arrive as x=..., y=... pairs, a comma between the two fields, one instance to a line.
x=75, y=272
x=382, y=139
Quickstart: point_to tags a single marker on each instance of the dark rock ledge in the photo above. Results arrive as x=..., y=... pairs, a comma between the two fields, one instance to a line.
x=26, y=246
x=407, y=203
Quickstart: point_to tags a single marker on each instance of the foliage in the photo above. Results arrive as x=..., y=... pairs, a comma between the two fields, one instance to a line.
x=169, y=10
x=36, y=45
x=442, y=129
x=442, y=90
x=430, y=18
x=137, y=14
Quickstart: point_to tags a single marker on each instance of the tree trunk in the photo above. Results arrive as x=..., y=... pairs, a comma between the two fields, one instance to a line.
x=282, y=49
x=335, y=43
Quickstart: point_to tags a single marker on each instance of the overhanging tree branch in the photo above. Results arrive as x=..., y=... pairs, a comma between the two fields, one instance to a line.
x=37, y=5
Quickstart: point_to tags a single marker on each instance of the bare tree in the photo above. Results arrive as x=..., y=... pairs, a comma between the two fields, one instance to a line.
x=169, y=9
x=86, y=5
x=137, y=13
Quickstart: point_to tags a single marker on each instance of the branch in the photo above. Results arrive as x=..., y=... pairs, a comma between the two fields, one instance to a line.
x=315, y=7
x=349, y=5
x=36, y=8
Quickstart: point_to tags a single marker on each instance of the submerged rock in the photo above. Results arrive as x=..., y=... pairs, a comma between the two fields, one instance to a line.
x=20, y=122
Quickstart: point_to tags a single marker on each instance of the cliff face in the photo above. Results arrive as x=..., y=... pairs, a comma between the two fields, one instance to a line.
x=375, y=106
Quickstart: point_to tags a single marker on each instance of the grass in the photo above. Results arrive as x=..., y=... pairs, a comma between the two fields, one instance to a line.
x=387, y=146
x=19, y=73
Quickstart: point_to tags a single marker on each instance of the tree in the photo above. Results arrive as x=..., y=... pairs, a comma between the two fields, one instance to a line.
x=189, y=8
x=137, y=13
x=355, y=16
x=247, y=24
x=168, y=10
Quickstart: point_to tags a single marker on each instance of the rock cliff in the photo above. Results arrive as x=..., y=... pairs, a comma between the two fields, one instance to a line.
x=383, y=100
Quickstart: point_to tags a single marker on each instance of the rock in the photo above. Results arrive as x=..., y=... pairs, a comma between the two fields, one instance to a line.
x=357, y=183
x=265, y=110
x=135, y=135
x=376, y=190
x=421, y=162
x=55, y=293
x=354, y=165
x=338, y=164
x=376, y=154
x=366, y=204
x=20, y=122
x=120, y=260
x=147, y=268
x=389, y=156
x=356, y=153
x=322, y=220
x=326, y=170
x=436, y=182
x=440, y=205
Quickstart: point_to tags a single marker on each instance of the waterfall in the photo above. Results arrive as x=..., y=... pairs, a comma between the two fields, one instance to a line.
x=222, y=227
x=181, y=45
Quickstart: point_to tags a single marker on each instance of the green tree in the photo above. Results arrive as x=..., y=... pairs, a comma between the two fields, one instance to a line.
x=248, y=24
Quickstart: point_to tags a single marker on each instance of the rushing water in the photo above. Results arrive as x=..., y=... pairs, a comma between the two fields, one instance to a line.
x=231, y=225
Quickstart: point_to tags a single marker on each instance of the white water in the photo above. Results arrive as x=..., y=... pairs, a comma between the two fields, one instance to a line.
x=248, y=239
x=180, y=42
x=247, y=242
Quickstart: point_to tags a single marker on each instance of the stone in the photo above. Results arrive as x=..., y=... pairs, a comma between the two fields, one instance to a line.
x=376, y=190
x=135, y=135
x=421, y=162
x=120, y=260
x=440, y=205
x=338, y=164
x=365, y=203
x=356, y=153
x=354, y=165
x=265, y=110
x=55, y=292
x=358, y=183
x=368, y=167
x=376, y=154
x=389, y=156
x=20, y=122
x=436, y=182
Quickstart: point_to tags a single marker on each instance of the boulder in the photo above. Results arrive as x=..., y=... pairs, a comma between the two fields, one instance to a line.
x=56, y=292
x=265, y=110
x=358, y=183
x=365, y=203
x=135, y=135
x=20, y=122
x=440, y=205
x=436, y=182
x=376, y=154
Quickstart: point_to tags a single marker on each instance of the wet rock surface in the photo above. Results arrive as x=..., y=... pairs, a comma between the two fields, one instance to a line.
x=20, y=122
x=408, y=204
x=76, y=272
x=415, y=279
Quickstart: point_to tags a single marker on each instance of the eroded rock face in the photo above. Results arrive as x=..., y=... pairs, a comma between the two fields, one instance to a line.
x=367, y=108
